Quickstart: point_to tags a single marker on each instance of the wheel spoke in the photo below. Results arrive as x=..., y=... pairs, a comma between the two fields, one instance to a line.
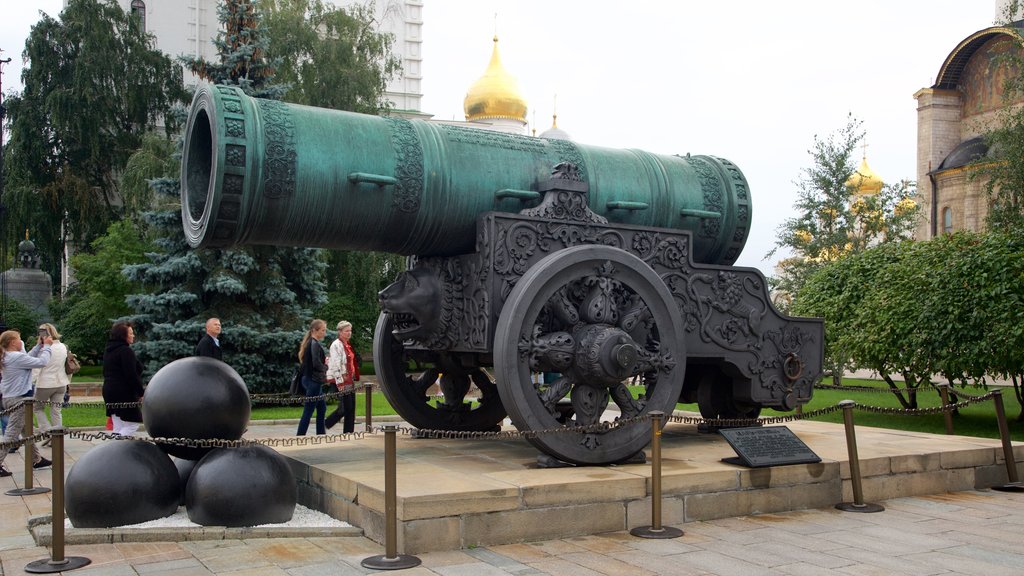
x=629, y=407
x=407, y=394
x=597, y=316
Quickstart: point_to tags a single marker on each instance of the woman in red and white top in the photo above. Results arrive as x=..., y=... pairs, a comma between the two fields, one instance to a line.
x=341, y=369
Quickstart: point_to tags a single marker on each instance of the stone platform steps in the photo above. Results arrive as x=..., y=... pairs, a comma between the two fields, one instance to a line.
x=455, y=494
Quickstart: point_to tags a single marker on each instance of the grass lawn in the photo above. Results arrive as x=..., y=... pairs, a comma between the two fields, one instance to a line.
x=974, y=420
x=78, y=415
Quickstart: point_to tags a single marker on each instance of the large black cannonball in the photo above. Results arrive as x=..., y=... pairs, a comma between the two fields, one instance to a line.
x=120, y=483
x=245, y=486
x=185, y=468
x=197, y=398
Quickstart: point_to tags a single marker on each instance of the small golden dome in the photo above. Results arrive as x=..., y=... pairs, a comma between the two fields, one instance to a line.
x=864, y=180
x=496, y=94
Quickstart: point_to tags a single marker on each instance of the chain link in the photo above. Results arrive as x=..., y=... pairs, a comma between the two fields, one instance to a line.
x=601, y=427
x=873, y=390
x=282, y=399
x=926, y=411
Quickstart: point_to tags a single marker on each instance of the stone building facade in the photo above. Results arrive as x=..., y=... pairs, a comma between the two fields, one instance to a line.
x=953, y=115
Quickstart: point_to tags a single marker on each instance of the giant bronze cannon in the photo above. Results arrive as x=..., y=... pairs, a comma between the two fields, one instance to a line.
x=546, y=278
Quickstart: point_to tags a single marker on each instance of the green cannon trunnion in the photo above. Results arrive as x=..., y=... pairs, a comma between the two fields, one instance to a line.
x=265, y=172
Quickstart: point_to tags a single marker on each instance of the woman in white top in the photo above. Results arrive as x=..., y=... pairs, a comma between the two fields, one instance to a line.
x=51, y=381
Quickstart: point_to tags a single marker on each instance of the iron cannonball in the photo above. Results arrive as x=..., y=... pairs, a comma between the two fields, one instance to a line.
x=196, y=398
x=185, y=468
x=245, y=486
x=119, y=483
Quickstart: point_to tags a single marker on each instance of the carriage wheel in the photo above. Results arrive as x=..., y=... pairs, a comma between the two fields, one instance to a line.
x=407, y=392
x=598, y=317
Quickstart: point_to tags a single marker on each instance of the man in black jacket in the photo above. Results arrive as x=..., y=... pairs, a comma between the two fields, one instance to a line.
x=209, y=344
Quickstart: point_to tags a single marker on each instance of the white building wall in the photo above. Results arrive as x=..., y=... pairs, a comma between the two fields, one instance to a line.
x=188, y=27
x=182, y=27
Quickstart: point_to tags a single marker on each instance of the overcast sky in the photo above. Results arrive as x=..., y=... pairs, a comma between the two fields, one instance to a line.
x=750, y=81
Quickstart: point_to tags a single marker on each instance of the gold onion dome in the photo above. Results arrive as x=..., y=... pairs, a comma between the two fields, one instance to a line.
x=496, y=94
x=864, y=180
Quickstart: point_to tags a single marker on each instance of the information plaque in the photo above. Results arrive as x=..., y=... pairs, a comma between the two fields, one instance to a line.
x=758, y=447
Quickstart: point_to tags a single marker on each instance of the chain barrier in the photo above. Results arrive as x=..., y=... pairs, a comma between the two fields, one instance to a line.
x=737, y=422
x=600, y=427
x=873, y=390
x=282, y=399
x=926, y=411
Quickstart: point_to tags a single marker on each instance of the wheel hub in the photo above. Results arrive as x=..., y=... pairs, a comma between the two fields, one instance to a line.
x=605, y=355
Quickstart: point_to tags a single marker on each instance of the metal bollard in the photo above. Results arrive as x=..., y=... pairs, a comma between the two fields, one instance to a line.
x=656, y=530
x=947, y=415
x=57, y=562
x=858, y=504
x=368, y=388
x=30, y=451
x=1014, y=484
x=391, y=559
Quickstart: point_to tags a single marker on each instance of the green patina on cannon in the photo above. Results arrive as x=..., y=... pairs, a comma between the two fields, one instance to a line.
x=577, y=275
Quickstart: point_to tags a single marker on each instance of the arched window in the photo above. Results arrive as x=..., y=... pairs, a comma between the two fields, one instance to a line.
x=139, y=13
x=947, y=220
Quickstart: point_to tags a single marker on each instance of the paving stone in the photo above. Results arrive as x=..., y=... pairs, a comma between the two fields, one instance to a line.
x=718, y=563
x=165, y=566
x=939, y=560
x=605, y=565
x=470, y=569
x=674, y=565
x=563, y=568
x=885, y=563
x=495, y=559
x=525, y=553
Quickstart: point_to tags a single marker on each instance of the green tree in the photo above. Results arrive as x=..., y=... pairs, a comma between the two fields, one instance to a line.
x=18, y=317
x=1003, y=167
x=836, y=292
x=332, y=57
x=948, y=307
x=832, y=219
x=263, y=295
x=93, y=85
x=98, y=298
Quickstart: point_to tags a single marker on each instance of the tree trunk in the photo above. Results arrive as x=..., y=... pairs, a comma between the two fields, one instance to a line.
x=894, y=387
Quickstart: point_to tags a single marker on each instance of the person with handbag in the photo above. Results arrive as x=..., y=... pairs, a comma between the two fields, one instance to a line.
x=16, y=386
x=341, y=372
x=313, y=361
x=52, y=382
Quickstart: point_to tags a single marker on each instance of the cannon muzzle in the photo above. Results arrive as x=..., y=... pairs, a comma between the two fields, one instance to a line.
x=265, y=172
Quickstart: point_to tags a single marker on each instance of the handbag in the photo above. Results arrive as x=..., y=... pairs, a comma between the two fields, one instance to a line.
x=71, y=364
x=296, y=387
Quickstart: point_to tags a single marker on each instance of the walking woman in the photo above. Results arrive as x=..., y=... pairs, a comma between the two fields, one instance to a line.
x=122, y=379
x=51, y=382
x=313, y=365
x=16, y=385
x=341, y=371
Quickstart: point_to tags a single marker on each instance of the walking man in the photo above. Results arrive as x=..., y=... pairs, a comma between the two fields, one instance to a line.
x=209, y=344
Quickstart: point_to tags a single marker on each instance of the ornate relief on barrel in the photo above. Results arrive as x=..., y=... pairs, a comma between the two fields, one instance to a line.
x=408, y=165
x=280, y=157
x=235, y=158
x=711, y=188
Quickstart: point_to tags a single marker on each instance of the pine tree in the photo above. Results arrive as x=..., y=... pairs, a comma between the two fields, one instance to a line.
x=94, y=84
x=263, y=295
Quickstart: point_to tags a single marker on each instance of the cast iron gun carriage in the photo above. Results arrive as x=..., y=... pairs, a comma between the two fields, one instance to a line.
x=578, y=275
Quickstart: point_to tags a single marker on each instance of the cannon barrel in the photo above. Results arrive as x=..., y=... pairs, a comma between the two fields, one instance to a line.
x=265, y=172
